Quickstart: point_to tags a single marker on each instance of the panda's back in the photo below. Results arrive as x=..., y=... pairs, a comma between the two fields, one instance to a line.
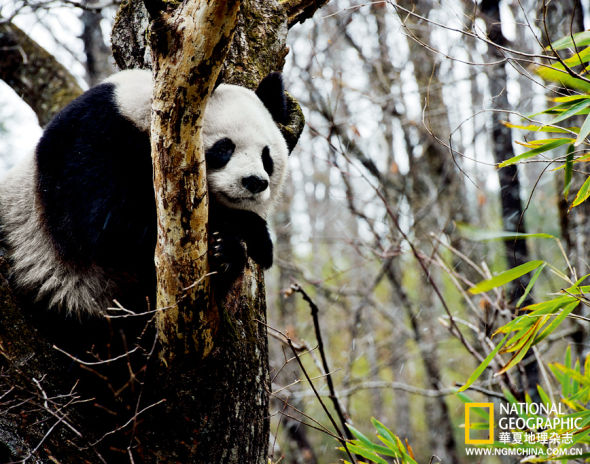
x=75, y=212
x=93, y=178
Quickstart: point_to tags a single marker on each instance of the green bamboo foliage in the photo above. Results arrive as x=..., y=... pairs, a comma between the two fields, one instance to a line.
x=531, y=324
x=535, y=322
x=388, y=445
x=569, y=72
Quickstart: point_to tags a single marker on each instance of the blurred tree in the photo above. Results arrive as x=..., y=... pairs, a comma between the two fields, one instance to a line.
x=98, y=55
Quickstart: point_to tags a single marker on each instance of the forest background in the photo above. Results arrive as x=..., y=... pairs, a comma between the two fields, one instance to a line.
x=394, y=207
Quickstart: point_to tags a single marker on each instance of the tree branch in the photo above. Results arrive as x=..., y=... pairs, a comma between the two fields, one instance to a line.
x=35, y=75
x=187, y=61
x=300, y=10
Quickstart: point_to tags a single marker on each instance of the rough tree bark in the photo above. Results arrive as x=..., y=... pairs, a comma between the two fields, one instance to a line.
x=205, y=397
x=34, y=74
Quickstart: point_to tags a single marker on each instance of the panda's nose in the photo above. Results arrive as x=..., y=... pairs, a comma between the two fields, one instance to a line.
x=255, y=184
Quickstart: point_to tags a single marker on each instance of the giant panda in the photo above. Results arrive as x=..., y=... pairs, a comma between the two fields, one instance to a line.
x=79, y=213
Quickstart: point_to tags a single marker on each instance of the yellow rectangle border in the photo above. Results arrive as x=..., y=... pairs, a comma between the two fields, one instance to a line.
x=485, y=441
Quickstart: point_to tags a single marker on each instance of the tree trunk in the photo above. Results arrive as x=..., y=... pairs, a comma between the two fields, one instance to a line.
x=434, y=180
x=35, y=75
x=201, y=393
x=512, y=210
x=98, y=55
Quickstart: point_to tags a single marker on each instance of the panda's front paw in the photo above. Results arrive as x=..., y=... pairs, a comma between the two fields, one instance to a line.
x=227, y=256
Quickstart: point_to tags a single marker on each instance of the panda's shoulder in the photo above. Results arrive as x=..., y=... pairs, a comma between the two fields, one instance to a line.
x=133, y=89
x=98, y=100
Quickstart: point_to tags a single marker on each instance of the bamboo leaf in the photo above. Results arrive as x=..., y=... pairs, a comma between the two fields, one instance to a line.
x=582, y=194
x=529, y=154
x=359, y=435
x=475, y=234
x=580, y=159
x=555, y=74
x=529, y=287
x=569, y=169
x=557, y=109
x=544, y=397
x=584, y=131
x=571, y=374
x=505, y=277
x=406, y=458
x=366, y=441
x=536, y=143
x=570, y=98
x=538, y=128
x=384, y=431
x=577, y=59
x=483, y=365
x=581, y=39
x=518, y=340
x=558, y=320
x=549, y=306
x=572, y=111
x=366, y=454
x=525, y=348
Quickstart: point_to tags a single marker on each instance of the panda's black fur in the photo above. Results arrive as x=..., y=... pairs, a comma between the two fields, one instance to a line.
x=102, y=182
x=92, y=198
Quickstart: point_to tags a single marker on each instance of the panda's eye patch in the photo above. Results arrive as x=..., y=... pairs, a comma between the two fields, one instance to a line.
x=267, y=161
x=219, y=154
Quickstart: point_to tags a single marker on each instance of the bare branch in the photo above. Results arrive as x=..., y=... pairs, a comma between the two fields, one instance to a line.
x=300, y=10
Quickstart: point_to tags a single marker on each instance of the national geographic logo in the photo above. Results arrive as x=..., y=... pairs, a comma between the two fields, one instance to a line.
x=474, y=427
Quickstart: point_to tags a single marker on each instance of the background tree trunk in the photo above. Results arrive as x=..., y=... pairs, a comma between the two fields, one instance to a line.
x=512, y=209
x=98, y=55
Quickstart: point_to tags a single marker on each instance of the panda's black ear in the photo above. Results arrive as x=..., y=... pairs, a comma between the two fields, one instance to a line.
x=272, y=93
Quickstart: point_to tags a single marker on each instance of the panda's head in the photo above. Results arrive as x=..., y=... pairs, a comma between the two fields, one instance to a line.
x=245, y=151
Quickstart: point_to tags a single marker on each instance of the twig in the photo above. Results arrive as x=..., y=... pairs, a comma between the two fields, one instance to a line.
x=318, y=333
x=131, y=420
x=324, y=407
x=95, y=363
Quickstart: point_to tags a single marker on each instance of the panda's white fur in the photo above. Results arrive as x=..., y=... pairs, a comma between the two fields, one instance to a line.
x=34, y=259
x=233, y=112
x=133, y=92
x=238, y=114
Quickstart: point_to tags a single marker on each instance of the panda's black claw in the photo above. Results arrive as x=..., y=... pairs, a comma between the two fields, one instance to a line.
x=227, y=257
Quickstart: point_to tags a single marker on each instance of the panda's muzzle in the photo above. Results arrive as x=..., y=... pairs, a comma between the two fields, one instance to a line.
x=255, y=184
